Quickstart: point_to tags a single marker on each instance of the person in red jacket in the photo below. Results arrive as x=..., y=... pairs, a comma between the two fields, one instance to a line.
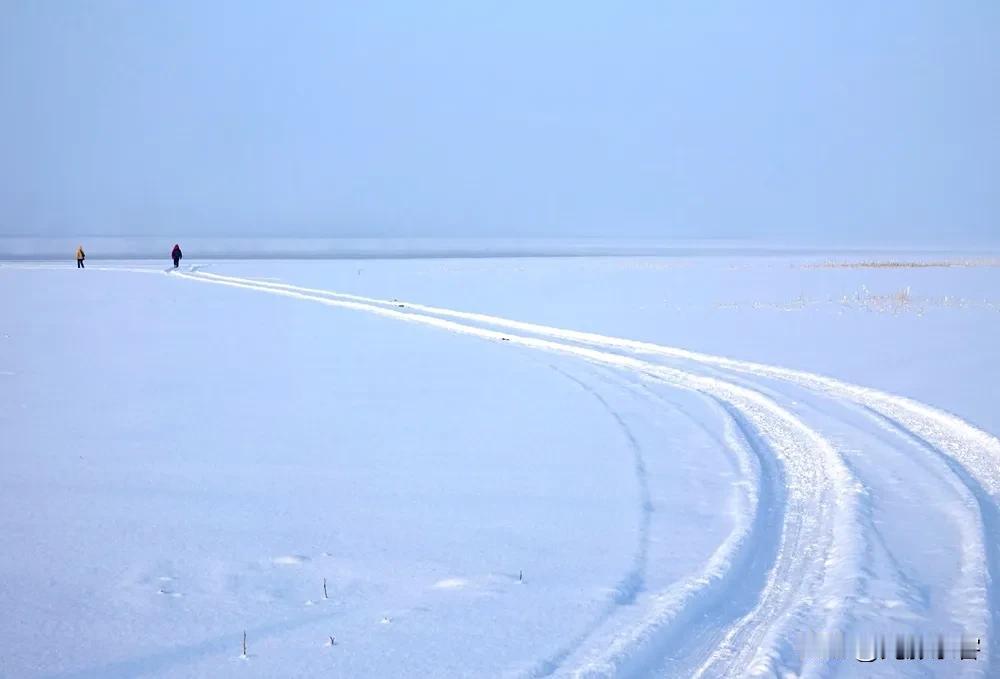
x=176, y=255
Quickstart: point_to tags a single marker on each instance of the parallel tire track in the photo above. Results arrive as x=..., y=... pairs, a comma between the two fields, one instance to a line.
x=818, y=552
x=973, y=453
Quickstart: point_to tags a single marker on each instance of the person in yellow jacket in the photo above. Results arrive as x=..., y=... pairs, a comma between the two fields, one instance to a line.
x=80, y=256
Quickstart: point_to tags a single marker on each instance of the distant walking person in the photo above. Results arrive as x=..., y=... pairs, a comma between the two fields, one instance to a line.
x=176, y=255
x=80, y=256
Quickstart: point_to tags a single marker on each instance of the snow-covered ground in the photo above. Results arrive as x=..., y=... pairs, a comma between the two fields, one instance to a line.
x=499, y=467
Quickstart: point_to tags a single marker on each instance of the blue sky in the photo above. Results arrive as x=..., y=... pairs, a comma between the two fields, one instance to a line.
x=832, y=122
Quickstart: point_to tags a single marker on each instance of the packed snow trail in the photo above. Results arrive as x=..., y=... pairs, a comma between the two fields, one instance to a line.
x=755, y=642
x=818, y=552
x=912, y=493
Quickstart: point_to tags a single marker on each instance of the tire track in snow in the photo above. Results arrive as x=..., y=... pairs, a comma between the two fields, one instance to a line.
x=629, y=587
x=818, y=552
x=751, y=551
x=748, y=550
x=979, y=595
x=974, y=452
x=957, y=500
x=669, y=620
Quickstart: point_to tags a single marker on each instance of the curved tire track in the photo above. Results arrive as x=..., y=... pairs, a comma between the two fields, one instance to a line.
x=973, y=453
x=818, y=551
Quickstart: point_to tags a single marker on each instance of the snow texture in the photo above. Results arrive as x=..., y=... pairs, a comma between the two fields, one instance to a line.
x=614, y=466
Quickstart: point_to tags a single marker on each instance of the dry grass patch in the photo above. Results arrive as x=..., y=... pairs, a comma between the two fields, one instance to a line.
x=893, y=264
